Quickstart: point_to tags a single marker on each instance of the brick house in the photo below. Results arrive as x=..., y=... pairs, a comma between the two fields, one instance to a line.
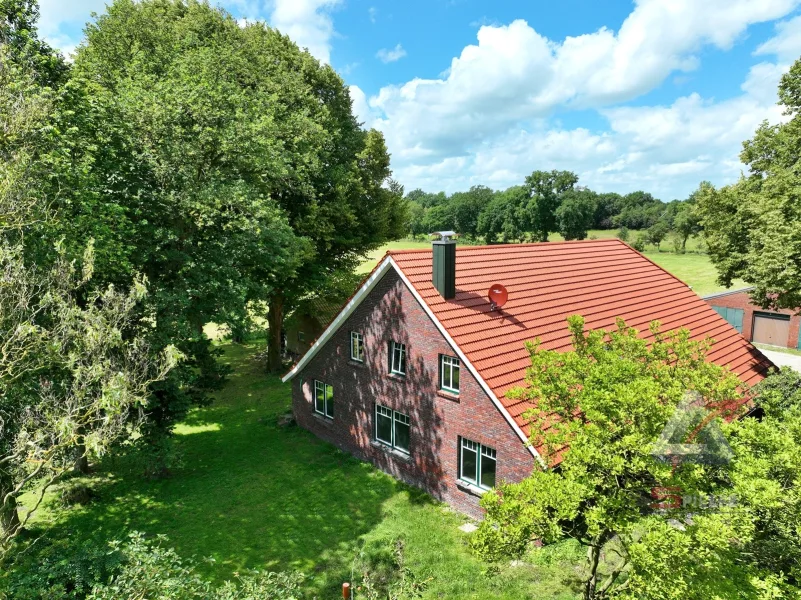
x=413, y=372
x=774, y=327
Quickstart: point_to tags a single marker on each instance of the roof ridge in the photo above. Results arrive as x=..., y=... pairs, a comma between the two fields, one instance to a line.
x=511, y=245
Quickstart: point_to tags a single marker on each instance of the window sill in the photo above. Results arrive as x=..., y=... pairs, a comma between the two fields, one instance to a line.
x=323, y=419
x=470, y=488
x=392, y=451
x=397, y=376
x=448, y=395
x=355, y=363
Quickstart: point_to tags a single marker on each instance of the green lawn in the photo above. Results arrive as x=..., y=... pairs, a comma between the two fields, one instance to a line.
x=696, y=270
x=253, y=495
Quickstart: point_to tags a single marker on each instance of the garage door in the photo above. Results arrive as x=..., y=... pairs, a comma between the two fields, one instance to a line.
x=771, y=329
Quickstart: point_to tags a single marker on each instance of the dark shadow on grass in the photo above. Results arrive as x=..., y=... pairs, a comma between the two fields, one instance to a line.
x=249, y=495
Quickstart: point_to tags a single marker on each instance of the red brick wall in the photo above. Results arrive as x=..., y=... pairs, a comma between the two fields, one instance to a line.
x=391, y=312
x=743, y=301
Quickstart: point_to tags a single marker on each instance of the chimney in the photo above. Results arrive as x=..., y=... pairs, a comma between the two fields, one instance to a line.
x=444, y=272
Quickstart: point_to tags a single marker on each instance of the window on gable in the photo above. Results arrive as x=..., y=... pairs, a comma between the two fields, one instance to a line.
x=477, y=464
x=392, y=428
x=356, y=346
x=397, y=358
x=324, y=399
x=449, y=373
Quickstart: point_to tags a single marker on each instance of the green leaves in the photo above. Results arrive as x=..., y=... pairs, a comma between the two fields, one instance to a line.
x=753, y=227
x=599, y=410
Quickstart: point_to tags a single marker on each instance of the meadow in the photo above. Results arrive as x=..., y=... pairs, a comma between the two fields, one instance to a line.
x=253, y=495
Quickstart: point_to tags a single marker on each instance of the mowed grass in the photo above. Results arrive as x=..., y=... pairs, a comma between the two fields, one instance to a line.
x=252, y=495
x=696, y=270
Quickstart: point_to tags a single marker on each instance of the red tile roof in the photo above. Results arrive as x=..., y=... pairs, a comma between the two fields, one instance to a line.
x=547, y=282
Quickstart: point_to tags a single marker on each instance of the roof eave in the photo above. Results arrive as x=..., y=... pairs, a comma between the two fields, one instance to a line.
x=344, y=313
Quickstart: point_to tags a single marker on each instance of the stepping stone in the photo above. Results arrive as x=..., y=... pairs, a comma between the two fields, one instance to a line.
x=468, y=528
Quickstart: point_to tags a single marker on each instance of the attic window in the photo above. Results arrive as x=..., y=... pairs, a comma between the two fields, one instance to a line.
x=397, y=358
x=449, y=373
x=356, y=346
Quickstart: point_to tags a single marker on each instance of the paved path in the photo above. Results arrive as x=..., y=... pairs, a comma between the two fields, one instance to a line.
x=781, y=359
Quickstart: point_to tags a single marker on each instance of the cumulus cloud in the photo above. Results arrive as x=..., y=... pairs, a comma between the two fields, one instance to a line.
x=61, y=23
x=489, y=113
x=787, y=42
x=388, y=56
x=308, y=23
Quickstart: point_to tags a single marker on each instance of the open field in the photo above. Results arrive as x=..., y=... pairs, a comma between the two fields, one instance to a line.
x=696, y=270
x=253, y=495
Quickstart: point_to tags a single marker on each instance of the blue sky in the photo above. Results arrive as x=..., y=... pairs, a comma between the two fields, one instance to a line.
x=655, y=94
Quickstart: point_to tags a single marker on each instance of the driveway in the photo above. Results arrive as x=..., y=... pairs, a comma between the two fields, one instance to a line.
x=782, y=359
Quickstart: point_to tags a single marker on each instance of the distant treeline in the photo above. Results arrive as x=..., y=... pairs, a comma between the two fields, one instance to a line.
x=548, y=202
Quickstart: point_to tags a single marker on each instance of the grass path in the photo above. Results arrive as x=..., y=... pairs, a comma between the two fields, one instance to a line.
x=696, y=270
x=252, y=495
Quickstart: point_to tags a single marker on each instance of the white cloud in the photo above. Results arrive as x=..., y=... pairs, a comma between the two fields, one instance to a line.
x=388, y=56
x=373, y=14
x=361, y=107
x=787, y=42
x=61, y=23
x=489, y=110
x=308, y=23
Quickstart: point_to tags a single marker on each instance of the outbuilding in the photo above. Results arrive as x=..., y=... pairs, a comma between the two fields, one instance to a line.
x=759, y=325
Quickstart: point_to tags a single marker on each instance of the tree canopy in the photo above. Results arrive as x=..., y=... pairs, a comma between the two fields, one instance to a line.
x=601, y=408
x=753, y=227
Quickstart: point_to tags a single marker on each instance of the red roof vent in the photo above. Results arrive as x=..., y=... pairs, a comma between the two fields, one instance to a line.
x=497, y=296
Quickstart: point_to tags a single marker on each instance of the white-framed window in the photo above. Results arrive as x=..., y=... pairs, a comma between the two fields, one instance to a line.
x=449, y=373
x=392, y=428
x=476, y=464
x=356, y=346
x=324, y=399
x=397, y=358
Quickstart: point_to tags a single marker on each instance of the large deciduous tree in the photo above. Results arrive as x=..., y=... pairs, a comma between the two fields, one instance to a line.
x=576, y=213
x=753, y=227
x=546, y=189
x=76, y=367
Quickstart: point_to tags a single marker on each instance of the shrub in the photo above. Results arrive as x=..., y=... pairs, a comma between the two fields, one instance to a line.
x=149, y=570
x=63, y=569
x=639, y=243
x=623, y=234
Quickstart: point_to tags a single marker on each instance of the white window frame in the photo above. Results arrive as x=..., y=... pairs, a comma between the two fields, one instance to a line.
x=356, y=343
x=320, y=387
x=481, y=451
x=395, y=417
x=449, y=364
x=401, y=352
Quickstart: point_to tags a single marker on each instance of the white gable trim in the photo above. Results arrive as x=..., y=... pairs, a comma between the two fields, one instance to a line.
x=469, y=365
x=357, y=299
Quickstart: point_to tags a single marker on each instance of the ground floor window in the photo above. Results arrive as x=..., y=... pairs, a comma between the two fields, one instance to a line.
x=477, y=464
x=324, y=399
x=392, y=428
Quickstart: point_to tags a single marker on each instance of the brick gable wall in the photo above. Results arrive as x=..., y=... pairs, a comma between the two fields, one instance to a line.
x=742, y=301
x=391, y=312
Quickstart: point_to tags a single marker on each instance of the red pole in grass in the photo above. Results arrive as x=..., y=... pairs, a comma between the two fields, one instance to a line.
x=346, y=591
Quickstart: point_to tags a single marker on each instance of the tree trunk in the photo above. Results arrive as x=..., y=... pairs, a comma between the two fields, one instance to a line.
x=593, y=556
x=81, y=458
x=9, y=519
x=275, y=320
